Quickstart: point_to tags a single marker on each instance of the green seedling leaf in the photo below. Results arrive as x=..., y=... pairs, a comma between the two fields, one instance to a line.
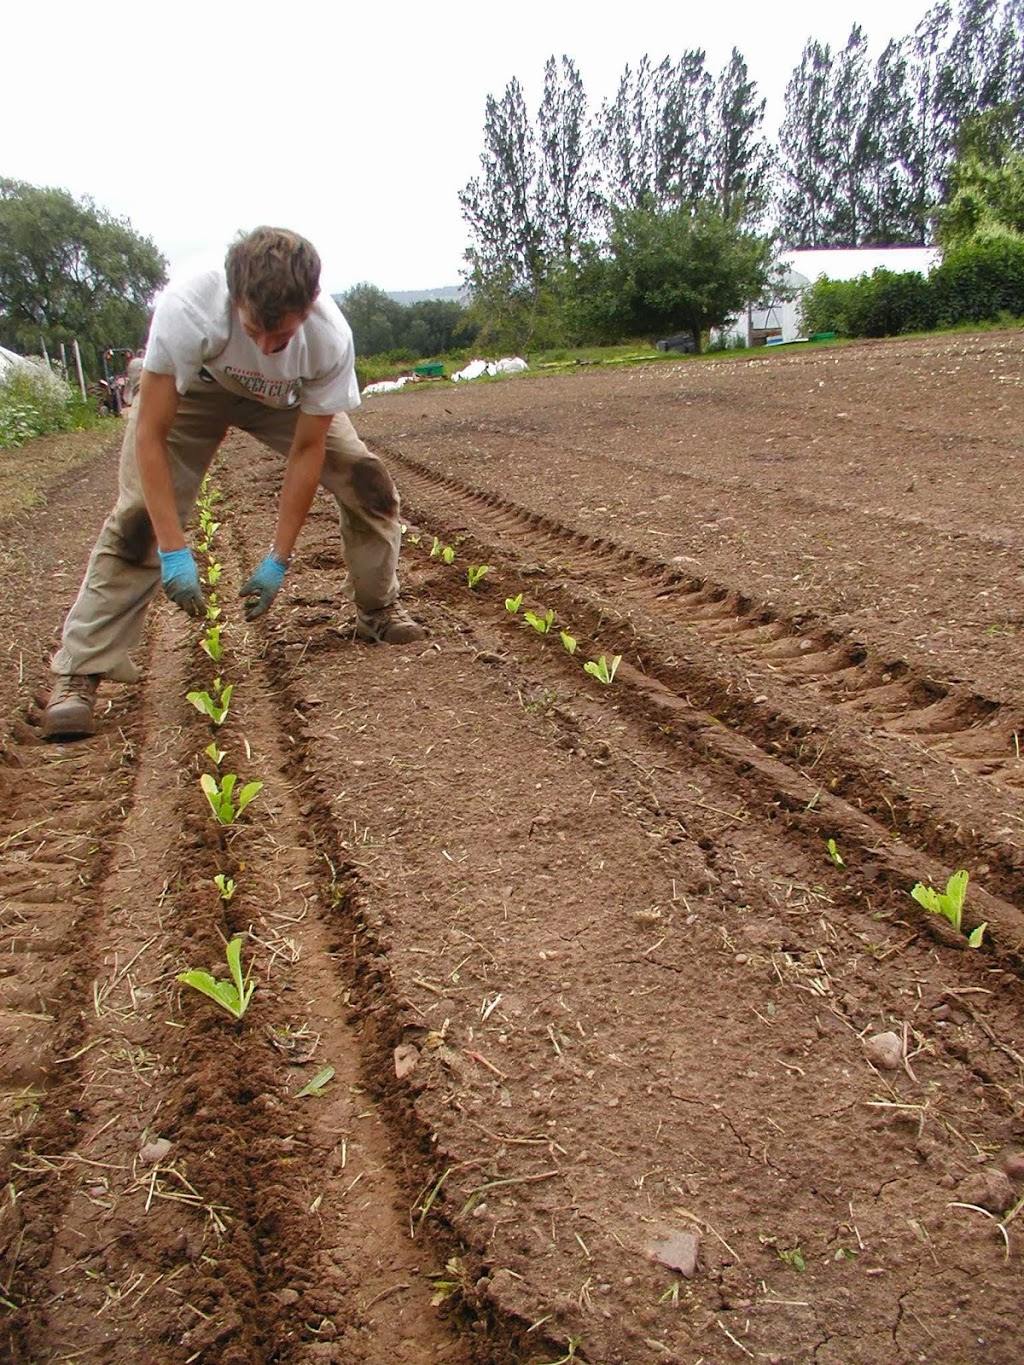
x=435, y=549
x=216, y=707
x=541, y=624
x=794, y=1257
x=213, y=572
x=475, y=572
x=975, y=937
x=834, y=854
x=316, y=1085
x=602, y=670
x=247, y=793
x=568, y=641
x=448, y=553
x=214, y=754
x=221, y=796
x=244, y=986
x=513, y=604
x=211, y=644
x=225, y=886
x=233, y=995
x=948, y=903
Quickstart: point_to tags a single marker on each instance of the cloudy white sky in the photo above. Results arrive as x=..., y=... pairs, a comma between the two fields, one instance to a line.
x=356, y=125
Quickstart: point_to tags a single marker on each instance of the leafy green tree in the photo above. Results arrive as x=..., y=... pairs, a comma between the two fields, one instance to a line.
x=70, y=270
x=668, y=270
x=434, y=326
x=966, y=62
x=375, y=319
x=986, y=186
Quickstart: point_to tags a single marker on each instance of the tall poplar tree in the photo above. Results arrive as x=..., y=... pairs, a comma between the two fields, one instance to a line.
x=567, y=180
x=890, y=147
x=805, y=172
x=741, y=157
x=500, y=204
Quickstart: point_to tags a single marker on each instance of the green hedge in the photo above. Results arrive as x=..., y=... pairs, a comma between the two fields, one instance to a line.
x=982, y=281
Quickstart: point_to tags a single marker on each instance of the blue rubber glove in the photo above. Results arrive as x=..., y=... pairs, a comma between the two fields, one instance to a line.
x=180, y=579
x=263, y=587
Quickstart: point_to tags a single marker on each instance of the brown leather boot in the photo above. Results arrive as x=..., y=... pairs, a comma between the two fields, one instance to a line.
x=70, y=712
x=387, y=626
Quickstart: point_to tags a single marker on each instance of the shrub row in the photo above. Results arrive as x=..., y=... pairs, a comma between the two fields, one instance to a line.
x=34, y=401
x=981, y=281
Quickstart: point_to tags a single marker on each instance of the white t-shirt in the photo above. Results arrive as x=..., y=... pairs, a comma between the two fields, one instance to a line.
x=195, y=326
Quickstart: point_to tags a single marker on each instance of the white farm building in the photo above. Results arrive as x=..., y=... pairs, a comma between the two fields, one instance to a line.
x=778, y=320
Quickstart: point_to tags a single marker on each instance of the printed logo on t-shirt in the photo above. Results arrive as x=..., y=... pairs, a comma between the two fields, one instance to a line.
x=277, y=393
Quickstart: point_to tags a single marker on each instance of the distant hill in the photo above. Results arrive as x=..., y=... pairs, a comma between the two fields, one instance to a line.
x=407, y=296
x=448, y=291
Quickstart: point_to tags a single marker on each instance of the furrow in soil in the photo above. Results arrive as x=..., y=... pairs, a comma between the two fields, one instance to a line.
x=641, y=1014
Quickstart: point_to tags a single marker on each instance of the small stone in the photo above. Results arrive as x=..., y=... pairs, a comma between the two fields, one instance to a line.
x=286, y=1297
x=406, y=1060
x=678, y=1251
x=990, y=1189
x=885, y=1050
x=150, y=1153
x=1012, y=1162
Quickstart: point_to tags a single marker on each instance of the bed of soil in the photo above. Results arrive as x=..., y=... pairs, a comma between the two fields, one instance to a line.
x=631, y=1065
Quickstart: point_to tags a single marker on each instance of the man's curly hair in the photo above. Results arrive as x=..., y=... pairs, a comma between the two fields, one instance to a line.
x=273, y=272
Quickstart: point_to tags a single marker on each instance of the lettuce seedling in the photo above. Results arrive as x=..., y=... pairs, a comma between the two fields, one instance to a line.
x=233, y=995
x=216, y=706
x=214, y=754
x=541, y=624
x=211, y=645
x=602, y=670
x=513, y=604
x=225, y=886
x=448, y=554
x=220, y=796
x=950, y=904
x=315, y=1087
x=435, y=549
x=568, y=641
x=834, y=855
x=475, y=572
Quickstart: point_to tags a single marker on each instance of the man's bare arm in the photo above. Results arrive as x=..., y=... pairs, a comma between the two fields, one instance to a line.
x=301, y=478
x=158, y=404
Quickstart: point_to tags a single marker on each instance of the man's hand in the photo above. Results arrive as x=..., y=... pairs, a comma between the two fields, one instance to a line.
x=180, y=579
x=263, y=587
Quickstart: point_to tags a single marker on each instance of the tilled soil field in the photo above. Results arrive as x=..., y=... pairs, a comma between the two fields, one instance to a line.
x=642, y=1050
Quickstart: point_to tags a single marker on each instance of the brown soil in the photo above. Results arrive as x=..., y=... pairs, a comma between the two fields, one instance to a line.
x=595, y=994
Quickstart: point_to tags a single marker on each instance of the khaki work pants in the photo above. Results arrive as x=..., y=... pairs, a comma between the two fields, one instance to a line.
x=123, y=573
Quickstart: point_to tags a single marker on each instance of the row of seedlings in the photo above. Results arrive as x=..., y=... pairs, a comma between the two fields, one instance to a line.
x=601, y=668
x=226, y=799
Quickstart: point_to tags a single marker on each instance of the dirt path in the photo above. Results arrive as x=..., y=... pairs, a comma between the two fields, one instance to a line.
x=594, y=990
